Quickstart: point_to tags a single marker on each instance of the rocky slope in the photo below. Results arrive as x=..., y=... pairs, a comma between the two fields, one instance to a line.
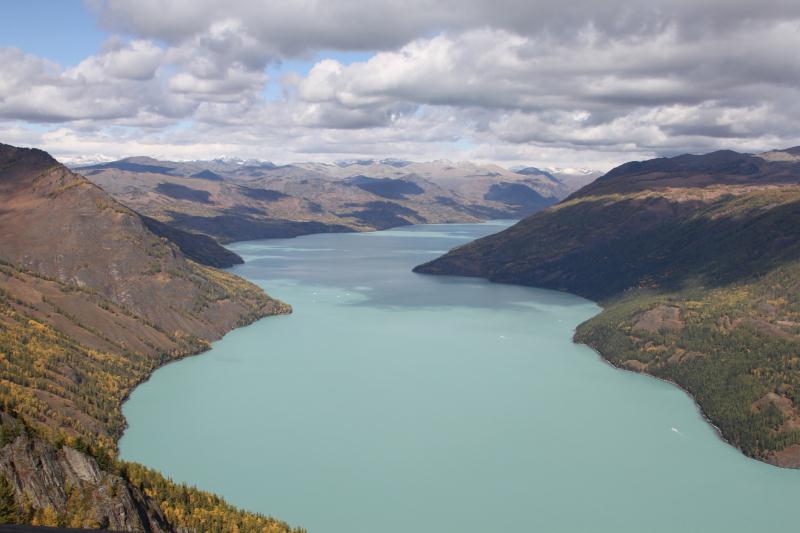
x=696, y=260
x=64, y=481
x=252, y=200
x=53, y=484
x=91, y=302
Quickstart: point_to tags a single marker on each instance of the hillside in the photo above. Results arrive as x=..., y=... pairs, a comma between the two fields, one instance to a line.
x=696, y=261
x=91, y=302
x=236, y=200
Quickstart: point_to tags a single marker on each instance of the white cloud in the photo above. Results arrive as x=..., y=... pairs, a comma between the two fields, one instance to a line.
x=137, y=60
x=576, y=82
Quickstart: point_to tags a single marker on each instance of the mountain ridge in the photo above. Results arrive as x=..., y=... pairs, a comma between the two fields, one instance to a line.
x=245, y=200
x=91, y=303
x=695, y=260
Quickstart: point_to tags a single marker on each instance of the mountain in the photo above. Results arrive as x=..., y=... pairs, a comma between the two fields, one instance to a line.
x=242, y=200
x=696, y=260
x=574, y=178
x=92, y=301
x=197, y=247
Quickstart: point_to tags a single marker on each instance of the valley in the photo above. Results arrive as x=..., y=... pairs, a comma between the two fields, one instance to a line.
x=437, y=403
x=693, y=259
x=95, y=296
x=420, y=266
x=246, y=200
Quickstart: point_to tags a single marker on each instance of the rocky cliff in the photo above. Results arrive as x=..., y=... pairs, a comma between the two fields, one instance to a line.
x=62, y=482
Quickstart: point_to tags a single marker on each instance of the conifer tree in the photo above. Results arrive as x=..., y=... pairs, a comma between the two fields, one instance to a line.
x=9, y=512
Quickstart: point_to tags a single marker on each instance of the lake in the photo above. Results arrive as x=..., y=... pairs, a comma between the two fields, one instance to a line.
x=392, y=402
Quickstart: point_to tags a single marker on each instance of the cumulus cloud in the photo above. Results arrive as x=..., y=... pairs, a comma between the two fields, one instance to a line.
x=515, y=80
x=137, y=60
x=292, y=26
x=657, y=93
x=36, y=90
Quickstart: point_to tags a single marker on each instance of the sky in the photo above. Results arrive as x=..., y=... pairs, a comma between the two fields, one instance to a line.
x=549, y=83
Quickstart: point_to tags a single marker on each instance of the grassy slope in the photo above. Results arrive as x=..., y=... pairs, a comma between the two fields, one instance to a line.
x=70, y=394
x=719, y=264
x=69, y=357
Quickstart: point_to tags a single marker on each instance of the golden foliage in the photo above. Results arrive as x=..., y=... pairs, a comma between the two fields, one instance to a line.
x=188, y=507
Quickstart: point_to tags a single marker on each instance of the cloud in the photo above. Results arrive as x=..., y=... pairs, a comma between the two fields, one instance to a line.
x=137, y=61
x=595, y=82
x=119, y=83
x=293, y=27
x=642, y=93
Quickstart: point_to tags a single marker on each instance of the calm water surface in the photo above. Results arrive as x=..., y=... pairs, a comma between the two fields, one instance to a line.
x=395, y=402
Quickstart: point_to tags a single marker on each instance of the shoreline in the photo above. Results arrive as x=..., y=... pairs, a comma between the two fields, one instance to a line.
x=282, y=309
x=285, y=308
x=703, y=415
x=698, y=407
x=652, y=427
x=607, y=361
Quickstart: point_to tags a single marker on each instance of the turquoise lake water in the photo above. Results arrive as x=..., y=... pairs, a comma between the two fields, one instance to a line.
x=392, y=402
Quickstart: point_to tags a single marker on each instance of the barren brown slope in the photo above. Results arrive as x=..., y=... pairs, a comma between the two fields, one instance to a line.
x=80, y=264
x=696, y=259
x=231, y=201
x=58, y=224
x=91, y=302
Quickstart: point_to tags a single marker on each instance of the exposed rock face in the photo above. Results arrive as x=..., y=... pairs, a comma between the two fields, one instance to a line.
x=49, y=478
x=71, y=486
x=659, y=318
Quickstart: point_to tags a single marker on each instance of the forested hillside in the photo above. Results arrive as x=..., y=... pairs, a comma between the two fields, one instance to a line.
x=696, y=261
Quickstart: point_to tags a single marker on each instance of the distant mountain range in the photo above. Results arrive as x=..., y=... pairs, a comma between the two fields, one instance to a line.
x=239, y=200
x=696, y=260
